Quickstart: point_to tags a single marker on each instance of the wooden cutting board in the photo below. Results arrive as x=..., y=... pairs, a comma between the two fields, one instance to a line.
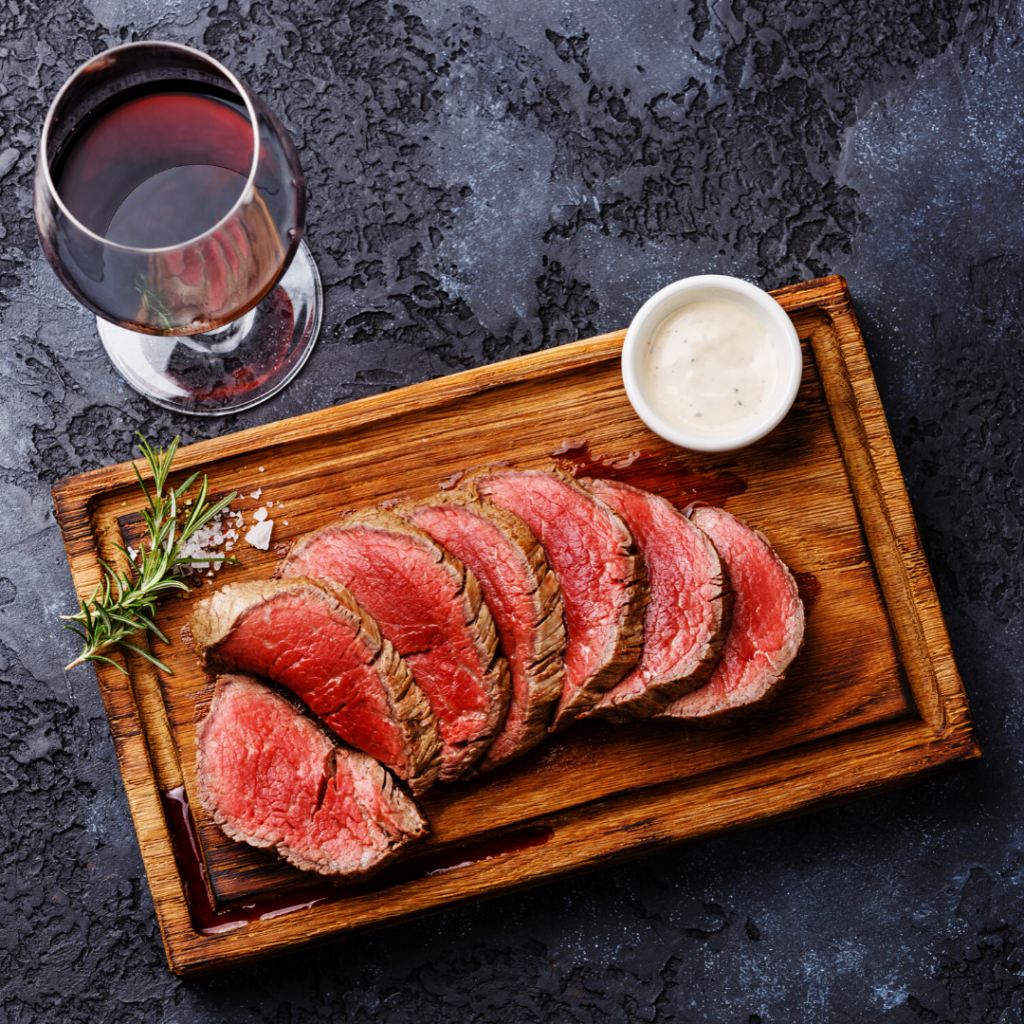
x=873, y=701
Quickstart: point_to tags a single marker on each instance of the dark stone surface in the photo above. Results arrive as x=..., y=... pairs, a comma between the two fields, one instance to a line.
x=490, y=179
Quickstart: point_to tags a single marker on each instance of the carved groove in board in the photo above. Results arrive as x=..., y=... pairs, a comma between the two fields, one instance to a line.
x=881, y=534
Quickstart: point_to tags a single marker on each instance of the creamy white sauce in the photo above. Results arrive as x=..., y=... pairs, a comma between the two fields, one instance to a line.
x=710, y=367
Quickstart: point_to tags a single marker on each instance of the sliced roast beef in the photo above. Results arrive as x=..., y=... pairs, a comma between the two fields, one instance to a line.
x=686, y=622
x=429, y=606
x=312, y=636
x=522, y=593
x=600, y=574
x=272, y=778
x=767, y=625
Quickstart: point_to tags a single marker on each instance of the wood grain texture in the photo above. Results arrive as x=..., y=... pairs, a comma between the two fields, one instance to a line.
x=873, y=701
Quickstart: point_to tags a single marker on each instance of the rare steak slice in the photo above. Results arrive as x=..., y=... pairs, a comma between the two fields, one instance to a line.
x=522, y=593
x=600, y=574
x=429, y=606
x=312, y=637
x=767, y=625
x=686, y=622
x=270, y=777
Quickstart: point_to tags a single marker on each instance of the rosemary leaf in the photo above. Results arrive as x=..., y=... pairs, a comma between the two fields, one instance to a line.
x=120, y=606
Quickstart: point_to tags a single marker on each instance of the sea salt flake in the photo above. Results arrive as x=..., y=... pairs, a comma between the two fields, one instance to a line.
x=259, y=535
x=199, y=546
x=259, y=515
x=256, y=494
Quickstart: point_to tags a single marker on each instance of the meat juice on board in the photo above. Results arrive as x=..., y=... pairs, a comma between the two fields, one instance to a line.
x=211, y=917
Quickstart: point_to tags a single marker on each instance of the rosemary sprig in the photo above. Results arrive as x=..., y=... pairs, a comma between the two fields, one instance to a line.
x=120, y=606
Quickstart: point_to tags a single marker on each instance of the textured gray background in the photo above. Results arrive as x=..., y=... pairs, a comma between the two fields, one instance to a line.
x=486, y=180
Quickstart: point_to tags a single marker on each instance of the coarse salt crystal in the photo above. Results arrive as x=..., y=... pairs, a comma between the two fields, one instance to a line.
x=259, y=535
x=259, y=515
x=199, y=544
x=256, y=494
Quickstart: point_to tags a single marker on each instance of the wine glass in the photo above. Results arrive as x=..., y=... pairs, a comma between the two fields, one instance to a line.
x=170, y=201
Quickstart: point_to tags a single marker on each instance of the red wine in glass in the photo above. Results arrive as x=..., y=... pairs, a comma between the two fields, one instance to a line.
x=161, y=168
x=170, y=201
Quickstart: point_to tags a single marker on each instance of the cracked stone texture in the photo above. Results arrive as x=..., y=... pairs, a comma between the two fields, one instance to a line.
x=489, y=179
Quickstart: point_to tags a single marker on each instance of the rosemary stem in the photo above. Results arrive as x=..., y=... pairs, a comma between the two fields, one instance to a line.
x=121, y=606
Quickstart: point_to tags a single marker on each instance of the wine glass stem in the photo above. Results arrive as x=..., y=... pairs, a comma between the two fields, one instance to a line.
x=224, y=339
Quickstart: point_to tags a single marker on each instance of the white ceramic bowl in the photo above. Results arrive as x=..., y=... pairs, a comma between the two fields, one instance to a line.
x=757, y=302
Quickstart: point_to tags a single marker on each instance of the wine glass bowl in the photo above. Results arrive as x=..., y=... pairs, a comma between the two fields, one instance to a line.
x=171, y=202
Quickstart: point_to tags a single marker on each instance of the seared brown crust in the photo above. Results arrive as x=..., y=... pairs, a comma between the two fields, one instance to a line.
x=215, y=618
x=476, y=619
x=661, y=690
x=543, y=662
x=623, y=647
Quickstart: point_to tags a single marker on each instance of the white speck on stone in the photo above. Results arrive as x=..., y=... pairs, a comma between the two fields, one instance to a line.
x=890, y=994
x=8, y=158
x=259, y=535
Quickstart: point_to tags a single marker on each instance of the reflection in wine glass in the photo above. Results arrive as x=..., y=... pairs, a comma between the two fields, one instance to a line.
x=170, y=202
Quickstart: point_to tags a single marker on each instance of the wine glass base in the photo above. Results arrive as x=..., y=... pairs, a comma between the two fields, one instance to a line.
x=233, y=368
